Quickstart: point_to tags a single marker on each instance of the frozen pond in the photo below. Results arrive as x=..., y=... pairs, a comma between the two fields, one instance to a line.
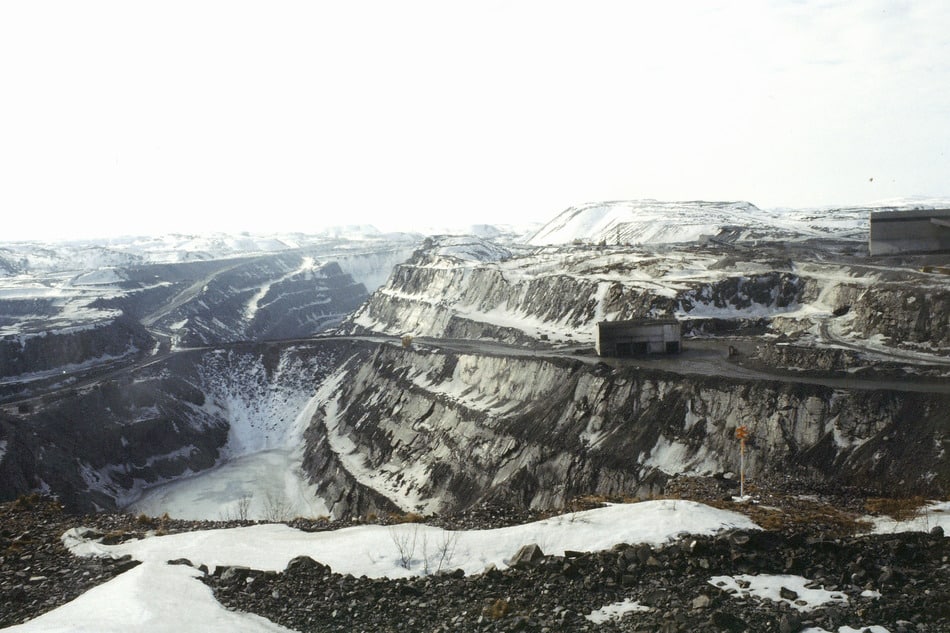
x=267, y=485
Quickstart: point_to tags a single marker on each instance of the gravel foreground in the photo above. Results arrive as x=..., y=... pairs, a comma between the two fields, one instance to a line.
x=898, y=581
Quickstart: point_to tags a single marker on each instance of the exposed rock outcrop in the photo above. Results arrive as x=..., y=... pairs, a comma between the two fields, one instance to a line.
x=103, y=340
x=280, y=296
x=433, y=431
x=96, y=447
x=562, y=293
x=913, y=314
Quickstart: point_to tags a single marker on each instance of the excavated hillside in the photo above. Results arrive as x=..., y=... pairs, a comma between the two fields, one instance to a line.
x=430, y=430
x=98, y=445
x=836, y=362
x=816, y=294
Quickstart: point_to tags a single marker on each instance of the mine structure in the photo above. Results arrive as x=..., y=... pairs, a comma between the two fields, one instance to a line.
x=905, y=232
x=637, y=337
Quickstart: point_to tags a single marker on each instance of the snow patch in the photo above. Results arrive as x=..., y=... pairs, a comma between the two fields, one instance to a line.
x=151, y=598
x=874, y=628
x=674, y=458
x=616, y=611
x=370, y=549
x=770, y=587
x=935, y=513
x=159, y=598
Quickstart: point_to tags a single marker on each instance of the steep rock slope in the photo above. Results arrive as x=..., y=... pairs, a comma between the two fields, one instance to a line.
x=813, y=294
x=99, y=341
x=99, y=446
x=224, y=289
x=424, y=430
x=277, y=296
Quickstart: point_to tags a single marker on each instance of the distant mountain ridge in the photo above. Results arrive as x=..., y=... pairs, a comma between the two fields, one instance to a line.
x=93, y=254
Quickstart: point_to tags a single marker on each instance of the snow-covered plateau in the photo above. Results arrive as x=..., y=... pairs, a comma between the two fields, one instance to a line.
x=357, y=375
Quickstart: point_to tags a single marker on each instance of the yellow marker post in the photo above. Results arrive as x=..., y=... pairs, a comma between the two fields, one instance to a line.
x=742, y=432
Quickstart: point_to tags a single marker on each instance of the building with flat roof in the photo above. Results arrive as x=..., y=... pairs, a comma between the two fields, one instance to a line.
x=898, y=232
x=638, y=336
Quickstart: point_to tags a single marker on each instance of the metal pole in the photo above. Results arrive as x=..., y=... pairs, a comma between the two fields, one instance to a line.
x=742, y=468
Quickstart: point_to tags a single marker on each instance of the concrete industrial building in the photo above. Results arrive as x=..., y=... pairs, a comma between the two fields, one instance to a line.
x=897, y=232
x=638, y=336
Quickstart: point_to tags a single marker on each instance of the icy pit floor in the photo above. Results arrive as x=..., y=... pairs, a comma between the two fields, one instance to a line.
x=268, y=485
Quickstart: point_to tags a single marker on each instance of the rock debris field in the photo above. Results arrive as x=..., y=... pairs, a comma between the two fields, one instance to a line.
x=806, y=577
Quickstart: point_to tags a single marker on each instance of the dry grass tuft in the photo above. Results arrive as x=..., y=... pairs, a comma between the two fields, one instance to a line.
x=408, y=517
x=897, y=509
x=497, y=609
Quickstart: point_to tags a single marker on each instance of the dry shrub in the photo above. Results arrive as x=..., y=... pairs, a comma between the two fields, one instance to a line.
x=114, y=537
x=800, y=515
x=408, y=517
x=27, y=501
x=497, y=609
x=30, y=503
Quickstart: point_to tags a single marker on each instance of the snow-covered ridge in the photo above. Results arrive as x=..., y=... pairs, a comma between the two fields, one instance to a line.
x=642, y=221
x=236, y=288
x=369, y=550
x=467, y=248
x=562, y=294
x=86, y=255
x=660, y=222
x=158, y=597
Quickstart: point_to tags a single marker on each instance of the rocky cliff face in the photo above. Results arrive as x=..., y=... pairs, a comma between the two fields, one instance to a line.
x=193, y=298
x=118, y=337
x=278, y=296
x=97, y=447
x=562, y=293
x=428, y=431
x=913, y=314
x=90, y=447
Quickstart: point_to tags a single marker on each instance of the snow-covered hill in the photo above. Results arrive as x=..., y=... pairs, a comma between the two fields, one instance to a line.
x=468, y=248
x=642, y=221
x=659, y=222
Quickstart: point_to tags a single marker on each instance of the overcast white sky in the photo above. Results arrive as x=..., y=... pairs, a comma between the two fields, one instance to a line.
x=131, y=117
